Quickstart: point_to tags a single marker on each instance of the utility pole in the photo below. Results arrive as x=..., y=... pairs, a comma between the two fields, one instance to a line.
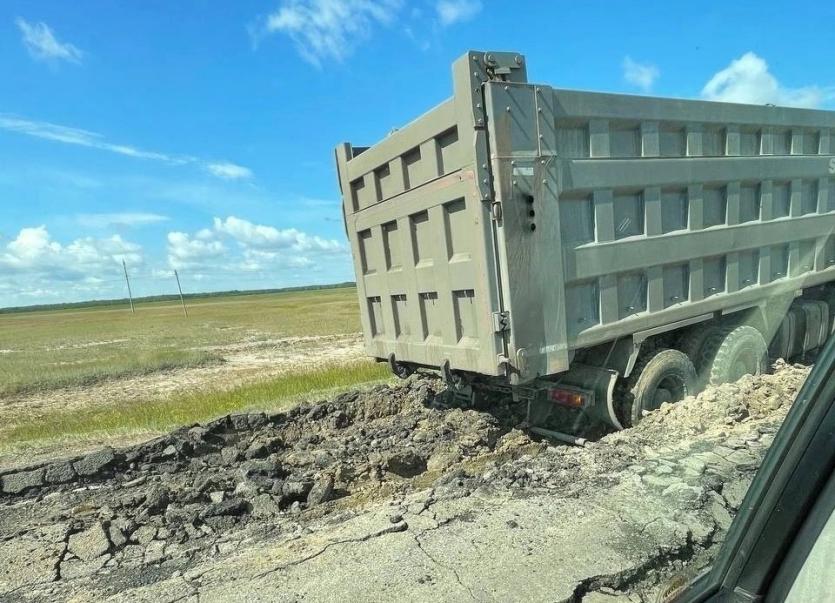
x=127, y=280
x=180, y=289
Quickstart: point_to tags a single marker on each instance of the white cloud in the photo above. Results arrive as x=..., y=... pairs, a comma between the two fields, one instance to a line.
x=185, y=251
x=455, y=11
x=119, y=219
x=43, y=45
x=231, y=254
x=323, y=30
x=84, y=138
x=256, y=247
x=268, y=237
x=31, y=243
x=229, y=171
x=748, y=80
x=34, y=252
x=92, y=140
x=642, y=75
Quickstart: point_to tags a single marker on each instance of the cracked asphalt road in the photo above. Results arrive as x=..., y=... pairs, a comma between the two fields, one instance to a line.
x=465, y=549
x=387, y=495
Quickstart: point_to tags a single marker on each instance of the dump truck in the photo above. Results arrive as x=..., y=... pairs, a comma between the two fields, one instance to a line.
x=604, y=253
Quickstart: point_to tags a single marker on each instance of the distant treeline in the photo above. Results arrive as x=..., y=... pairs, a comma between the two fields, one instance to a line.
x=165, y=298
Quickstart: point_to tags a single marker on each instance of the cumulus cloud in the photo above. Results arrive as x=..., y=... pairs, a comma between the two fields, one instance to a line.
x=254, y=247
x=231, y=253
x=185, y=251
x=749, y=80
x=641, y=75
x=84, y=138
x=42, y=44
x=229, y=171
x=455, y=11
x=36, y=268
x=268, y=237
x=35, y=252
x=323, y=30
x=105, y=220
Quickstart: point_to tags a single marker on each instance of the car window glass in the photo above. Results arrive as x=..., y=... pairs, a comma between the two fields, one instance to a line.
x=816, y=579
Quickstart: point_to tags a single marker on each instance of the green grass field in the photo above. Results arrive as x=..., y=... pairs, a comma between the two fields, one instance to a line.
x=160, y=415
x=49, y=349
x=44, y=351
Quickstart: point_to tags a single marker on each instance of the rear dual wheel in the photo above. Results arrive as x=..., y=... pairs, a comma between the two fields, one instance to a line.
x=718, y=354
x=660, y=376
x=726, y=354
x=742, y=351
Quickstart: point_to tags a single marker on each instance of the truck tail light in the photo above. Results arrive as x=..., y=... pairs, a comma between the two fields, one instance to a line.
x=568, y=397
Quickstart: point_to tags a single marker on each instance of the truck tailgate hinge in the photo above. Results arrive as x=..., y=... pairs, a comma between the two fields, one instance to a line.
x=501, y=322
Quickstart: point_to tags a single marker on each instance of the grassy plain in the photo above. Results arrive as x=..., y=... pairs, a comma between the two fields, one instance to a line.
x=155, y=416
x=59, y=348
x=45, y=354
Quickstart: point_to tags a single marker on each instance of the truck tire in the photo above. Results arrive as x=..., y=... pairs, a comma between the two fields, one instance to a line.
x=693, y=345
x=737, y=352
x=661, y=376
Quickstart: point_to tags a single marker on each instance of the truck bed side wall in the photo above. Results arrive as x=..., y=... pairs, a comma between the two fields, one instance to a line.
x=625, y=213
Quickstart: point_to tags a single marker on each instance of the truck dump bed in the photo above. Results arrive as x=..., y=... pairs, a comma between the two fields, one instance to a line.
x=515, y=223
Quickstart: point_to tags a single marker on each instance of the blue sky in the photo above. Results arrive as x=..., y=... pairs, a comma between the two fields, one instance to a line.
x=199, y=135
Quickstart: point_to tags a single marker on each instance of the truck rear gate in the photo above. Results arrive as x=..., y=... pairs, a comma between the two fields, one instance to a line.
x=516, y=224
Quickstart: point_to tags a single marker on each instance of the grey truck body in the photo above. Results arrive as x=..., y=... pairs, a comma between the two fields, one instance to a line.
x=515, y=224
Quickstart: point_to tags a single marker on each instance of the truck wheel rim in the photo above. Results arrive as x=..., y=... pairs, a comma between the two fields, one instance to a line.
x=745, y=364
x=670, y=389
x=661, y=396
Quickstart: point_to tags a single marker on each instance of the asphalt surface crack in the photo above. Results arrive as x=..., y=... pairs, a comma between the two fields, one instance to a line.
x=449, y=568
x=624, y=580
x=393, y=529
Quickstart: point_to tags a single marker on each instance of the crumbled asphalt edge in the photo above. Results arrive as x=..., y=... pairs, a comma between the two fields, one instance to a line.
x=168, y=503
x=176, y=498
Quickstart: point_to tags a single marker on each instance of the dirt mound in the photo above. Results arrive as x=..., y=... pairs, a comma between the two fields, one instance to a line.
x=166, y=504
x=175, y=497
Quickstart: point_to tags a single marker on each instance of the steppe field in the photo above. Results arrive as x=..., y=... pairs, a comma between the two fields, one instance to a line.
x=73, y=378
